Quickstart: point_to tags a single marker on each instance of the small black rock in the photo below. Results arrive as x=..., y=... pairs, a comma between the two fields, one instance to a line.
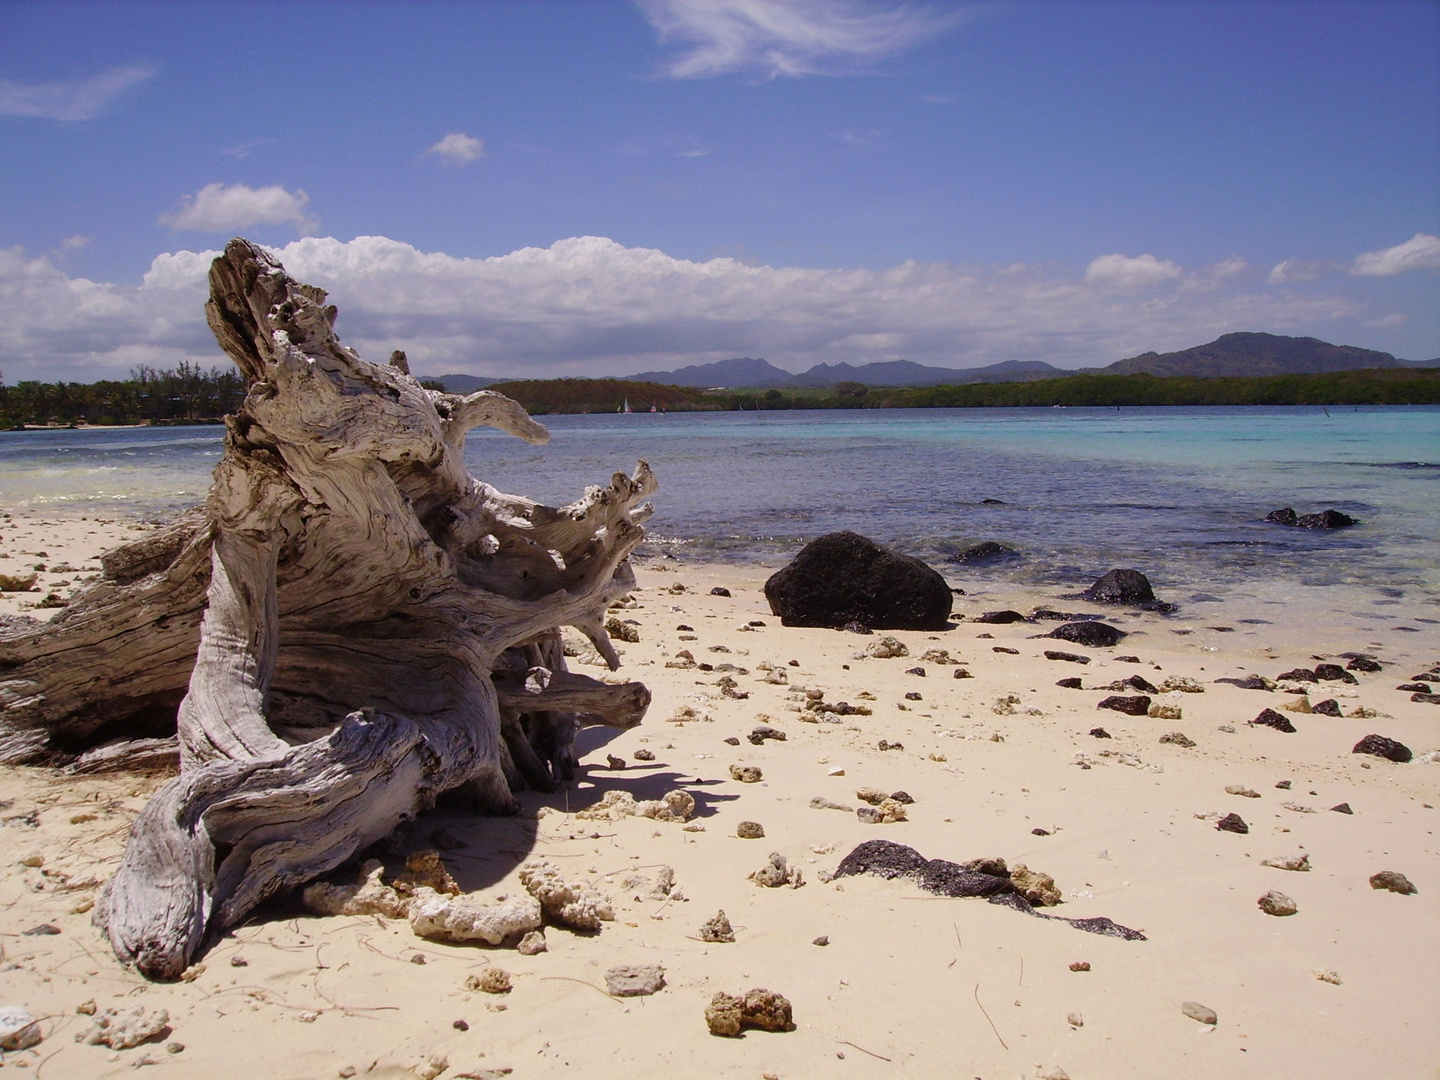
x=1101, y=733
x=883, y=858
x=719, y=590
x=1380, y=746
x=1135, y=682
x=1072, y=683
x=1094, y=635
x=961, y=673
x=1002, y=617
x=1364, y=663
x=1121, y=587
x=43, y=930
x=915, y=671
x=1273, y=719
x=1039, y=832
x=1138, y=705
x=913, y=695
x=1328, y=707
x=1250, y=682
x=1298, y=674
x=1334, y=673
x=1342, y=808
x=1232, y=823
x=986, y=553
x=1285, y=516
x=902, y=797
x=1002, y=648
x=1325, y=519
x=1414, y=687
x=1074, y=658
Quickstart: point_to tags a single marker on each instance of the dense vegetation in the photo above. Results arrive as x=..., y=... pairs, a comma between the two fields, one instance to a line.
x=1375, y=387
x=186, y=395
x=189, y=394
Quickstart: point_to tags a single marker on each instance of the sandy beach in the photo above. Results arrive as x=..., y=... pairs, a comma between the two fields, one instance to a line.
x=999, y=765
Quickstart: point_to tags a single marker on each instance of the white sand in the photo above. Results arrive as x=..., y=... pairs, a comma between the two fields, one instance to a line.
x=906, y=976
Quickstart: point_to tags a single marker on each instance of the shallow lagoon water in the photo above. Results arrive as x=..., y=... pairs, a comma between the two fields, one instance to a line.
x=1178, y=492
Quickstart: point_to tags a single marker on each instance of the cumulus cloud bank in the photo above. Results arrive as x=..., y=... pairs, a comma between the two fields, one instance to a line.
x=76, y=100
x=221, y=209
x=788, y=37
x=590, y=306
x=1420, y=252
x=457, y=148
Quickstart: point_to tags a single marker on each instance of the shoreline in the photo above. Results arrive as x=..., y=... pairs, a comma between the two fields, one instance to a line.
x=1129, y=834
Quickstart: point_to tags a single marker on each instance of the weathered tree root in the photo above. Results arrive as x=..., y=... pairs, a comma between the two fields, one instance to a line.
x=350, y=627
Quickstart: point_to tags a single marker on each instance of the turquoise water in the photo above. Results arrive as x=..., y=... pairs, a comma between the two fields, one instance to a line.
x=1178, y=492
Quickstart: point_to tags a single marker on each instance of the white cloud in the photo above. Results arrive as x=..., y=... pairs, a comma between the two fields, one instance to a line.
x=70, y=243
x=217, y=208
x=1122, y=272
x=789, y=37
x=1296, y=270
x=590, y=306
x=457, y=148
x=76, y=100
x=1420, y=252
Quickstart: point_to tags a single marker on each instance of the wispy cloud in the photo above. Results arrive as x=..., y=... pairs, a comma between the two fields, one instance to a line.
x=591, y=306
x=70, y=243
x=790, y=37
x=240, y=151
x=1127, y=273
x=217, y=208
x=75, y=100
x=457, y=148
x=1420, y=252
x=1294, y=271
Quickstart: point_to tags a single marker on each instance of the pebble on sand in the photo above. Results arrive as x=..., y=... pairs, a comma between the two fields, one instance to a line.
x=1393, y=880
x=1202, y=1013
x=1276, y=903
x=727, y=1014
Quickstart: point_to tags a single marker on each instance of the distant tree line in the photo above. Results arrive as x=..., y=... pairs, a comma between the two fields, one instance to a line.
x=187, y=394
x=1381, y=386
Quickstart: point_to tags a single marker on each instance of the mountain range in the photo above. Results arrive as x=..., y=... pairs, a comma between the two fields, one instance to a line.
x=1238, y=354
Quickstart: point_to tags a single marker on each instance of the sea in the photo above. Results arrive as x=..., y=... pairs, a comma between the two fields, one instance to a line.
x=1179, y=493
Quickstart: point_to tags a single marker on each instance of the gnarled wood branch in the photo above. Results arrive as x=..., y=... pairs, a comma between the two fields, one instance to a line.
x=351, y=626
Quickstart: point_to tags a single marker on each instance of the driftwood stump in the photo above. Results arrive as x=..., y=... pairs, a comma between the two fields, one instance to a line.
x=349, y=627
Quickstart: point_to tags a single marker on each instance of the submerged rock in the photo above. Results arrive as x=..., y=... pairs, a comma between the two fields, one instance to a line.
x=844, y=577
x=985, y=553
x=999, y=617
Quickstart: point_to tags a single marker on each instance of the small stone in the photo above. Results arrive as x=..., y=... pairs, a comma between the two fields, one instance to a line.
x=1394, y=881
x=822, y=940
x=765, y=731
x=1241, y=790
x=777, y=872
x=1075, y=1019
x=632, y=980
x=1100, y=733
x=1039, y=832
x=1178, y=738
x=719, y=590
x=1165, y=712
x=347, y=1072
x=750, y=830
x=732, y=741
x=460, y=1025
x=1072, y=683
x=614, y=762
x=1288, y=862
x=532, y=944
x=175, y=1048
x=1036, y=887
x=1342, y=808
x=1080, y=965
x=1283, y=785
x=492, y=980
x=644, y=755
x=239, y=961
x=1137, y=705
x=1328, y=707
x=19, y=1030
x=746, y=774
x=727, y=1015
x=1277, y=903
x=43, y=930
x=1202, y=1013
x=1232, y=823
x=718, y=929
x=1328, y=977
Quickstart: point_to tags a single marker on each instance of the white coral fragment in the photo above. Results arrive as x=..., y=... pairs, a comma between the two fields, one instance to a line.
x=573, y=904
x=470, y=917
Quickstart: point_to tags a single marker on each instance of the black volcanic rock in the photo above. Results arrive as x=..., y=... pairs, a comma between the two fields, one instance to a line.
x=999, y=617
x=843, y=578
x=987, y=553
x=1137, y=705
x=1380, y=746
x=1325, y=519
x=1121, y=587
x=1273, y=719
x=1096, y=635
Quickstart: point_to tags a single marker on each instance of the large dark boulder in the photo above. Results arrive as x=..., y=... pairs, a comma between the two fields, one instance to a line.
x=843, y=578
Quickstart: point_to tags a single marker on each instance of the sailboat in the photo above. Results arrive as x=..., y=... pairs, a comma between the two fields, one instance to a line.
x=625, y=408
